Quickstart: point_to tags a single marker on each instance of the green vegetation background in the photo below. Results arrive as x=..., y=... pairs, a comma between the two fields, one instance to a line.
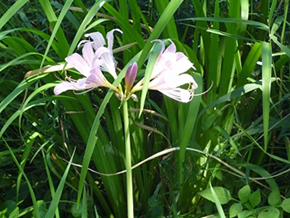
x=230, y=147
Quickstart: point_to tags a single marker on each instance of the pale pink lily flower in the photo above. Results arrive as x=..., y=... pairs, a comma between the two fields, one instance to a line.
x=89, y=65
x=168, y=75
x=109, y=64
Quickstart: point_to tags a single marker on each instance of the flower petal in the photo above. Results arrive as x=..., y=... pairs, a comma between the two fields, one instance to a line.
x=179, y=94
x=62, y=87
x=97, y=38
x=109, y=64
x=110, y=38
x=171, y=48
x=79, y=63
x=88, y=53
x=65, y=85
x=176, y=81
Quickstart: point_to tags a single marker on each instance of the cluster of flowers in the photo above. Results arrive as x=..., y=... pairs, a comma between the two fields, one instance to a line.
x=167, y=75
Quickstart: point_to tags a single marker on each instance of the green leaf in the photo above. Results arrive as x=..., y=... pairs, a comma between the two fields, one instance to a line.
x=274, y=198
x=255, y=198
x=244, y=214
x=154, y=54
x=76, y=210
x=235, y=209
x=266, y=87
x=286, y=205
x=217, y=203
x=8, y=207
x=223, y=194
x=11, y=12
x=244, y=193
x=41, y=208
x=55, y=201
x=271, y=213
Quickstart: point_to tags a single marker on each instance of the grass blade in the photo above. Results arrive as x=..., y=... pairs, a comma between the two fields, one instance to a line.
x=55, y=201
x=266, y=87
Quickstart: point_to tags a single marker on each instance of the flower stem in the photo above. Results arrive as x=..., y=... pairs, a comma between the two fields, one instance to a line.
x=130, y=204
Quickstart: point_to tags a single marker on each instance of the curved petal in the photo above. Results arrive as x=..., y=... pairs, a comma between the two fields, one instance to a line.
x=179, y=94
x=79, y=63
x=162, y=44
x=80, y=84
x=62, y=87
x=97, y=38
x=109, y=64
x=110, y=38
x=88, y=53
x=171, y=48
x=97, y=77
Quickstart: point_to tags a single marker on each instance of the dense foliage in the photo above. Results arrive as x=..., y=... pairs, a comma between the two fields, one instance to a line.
x=226, y=153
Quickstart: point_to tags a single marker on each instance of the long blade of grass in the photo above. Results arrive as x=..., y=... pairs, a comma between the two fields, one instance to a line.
x=249, y=64
x=228, y=67
x=215, y=57
x=170, y=29
x=266, y=87
x=150, y=66
x=33, y=198
x=159, y=27
x=82, y=28
x=84, y=205
x=18, y=90
x=189, y=125
x=217, y=203
x=56, y=25
x=55, y=201
x=50, y=181
x=11, y=12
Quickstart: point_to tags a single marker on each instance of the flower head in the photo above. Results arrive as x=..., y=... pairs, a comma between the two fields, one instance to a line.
x=89, y=65
x=109, y=64
x=168, y=75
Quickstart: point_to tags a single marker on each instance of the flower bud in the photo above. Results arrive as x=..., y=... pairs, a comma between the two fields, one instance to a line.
x=130, y=76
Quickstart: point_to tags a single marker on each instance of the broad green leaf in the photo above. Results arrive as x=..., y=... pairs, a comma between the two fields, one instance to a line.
x=245, y=214
x=271, y=213
x=255, y=198
x=223, y=195
x=244, y=194
x=274, y=198
x=235, y=209
x=286, y=205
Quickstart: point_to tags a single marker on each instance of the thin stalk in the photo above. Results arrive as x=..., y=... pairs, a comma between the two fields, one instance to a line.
x=130, y=204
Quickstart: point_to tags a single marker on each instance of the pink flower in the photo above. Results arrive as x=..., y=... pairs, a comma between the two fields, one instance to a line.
x=168, y=75
x=109, y=64
x=96, y=58
x=89, y=65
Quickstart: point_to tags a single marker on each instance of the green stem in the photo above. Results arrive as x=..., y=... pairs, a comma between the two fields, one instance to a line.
x=130, y=204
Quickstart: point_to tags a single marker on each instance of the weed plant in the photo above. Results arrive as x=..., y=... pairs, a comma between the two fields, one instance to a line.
x=225, y=154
